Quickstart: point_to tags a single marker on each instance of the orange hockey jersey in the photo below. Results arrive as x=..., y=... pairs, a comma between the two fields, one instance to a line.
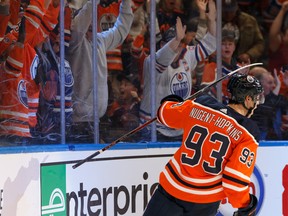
x=33, y=90
x=14, y=118
x=38, y=28
x=217, y=155
x=34, y=35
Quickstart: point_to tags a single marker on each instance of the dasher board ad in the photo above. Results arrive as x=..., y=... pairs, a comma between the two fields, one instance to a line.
x=117, y=182
x=112, y=186
x=125, y=191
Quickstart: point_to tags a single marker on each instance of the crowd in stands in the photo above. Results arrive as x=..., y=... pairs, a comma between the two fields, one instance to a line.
x=32, y=79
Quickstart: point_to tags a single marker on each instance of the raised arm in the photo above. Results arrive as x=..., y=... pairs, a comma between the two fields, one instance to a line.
x=82, y=20
x=116, y=35
x=211, y=17
x=202, y=23
x=275, y=29
x=16, y=56
x=180, y=34
x=166, y=54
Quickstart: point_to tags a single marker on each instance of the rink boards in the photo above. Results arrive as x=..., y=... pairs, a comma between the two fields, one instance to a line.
x=120, y=181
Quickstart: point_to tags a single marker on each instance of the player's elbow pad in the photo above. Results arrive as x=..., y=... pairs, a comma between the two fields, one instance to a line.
x=250, y=210
x=172, y=97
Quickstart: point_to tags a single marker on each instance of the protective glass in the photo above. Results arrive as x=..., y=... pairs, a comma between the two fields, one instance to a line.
x=259, y=99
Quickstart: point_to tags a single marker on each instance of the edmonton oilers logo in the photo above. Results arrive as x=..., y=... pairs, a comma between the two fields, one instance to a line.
x=180, y=85
x=256, y=188
x=22, y=93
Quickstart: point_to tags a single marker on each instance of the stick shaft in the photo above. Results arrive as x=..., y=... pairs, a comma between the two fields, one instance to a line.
x=196, y=94
x=113, y=143
x=154, y=119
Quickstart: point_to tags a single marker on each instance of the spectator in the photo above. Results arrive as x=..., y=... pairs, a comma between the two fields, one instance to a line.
x=229, y=64
x=268, y=116
x=251, y=43
x=174, y=65
x=33, y=18
x=283, y=76
x=39, y=21
x=256, y=9
x=80, y=58
x=123, y=113
x=136, y=47
x=47, y=23
x=14, y=124
x=107, y=12
x=278, y=40
x=284, y=92
x=49, y=116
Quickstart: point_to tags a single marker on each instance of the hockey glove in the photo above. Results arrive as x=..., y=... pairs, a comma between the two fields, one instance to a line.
x=172, y=97
x=250, y=210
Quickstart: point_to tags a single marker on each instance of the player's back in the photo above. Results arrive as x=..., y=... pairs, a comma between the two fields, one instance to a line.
x=247, y=123
x=214, y=137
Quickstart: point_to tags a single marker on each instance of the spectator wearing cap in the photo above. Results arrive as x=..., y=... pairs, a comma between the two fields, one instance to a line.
x=174, y=67
x=251, y=44
x=123, y=113
x=229, y=63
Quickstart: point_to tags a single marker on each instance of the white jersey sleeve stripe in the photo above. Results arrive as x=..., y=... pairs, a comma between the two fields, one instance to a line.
x=233, y=187
x=237, y=173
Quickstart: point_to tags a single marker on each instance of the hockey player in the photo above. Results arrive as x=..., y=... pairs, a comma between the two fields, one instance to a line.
x=217, y=155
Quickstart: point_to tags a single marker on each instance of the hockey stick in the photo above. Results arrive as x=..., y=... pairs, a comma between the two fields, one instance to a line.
x=196, y=94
